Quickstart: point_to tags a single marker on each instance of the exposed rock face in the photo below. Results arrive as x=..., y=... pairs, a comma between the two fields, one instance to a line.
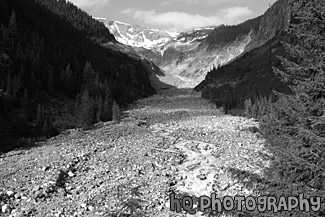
x=275, y=20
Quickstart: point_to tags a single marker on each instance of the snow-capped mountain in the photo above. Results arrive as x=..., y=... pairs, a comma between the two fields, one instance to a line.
x=188, y=55
x=139, y=36
x=154, y=39
x=197, y=34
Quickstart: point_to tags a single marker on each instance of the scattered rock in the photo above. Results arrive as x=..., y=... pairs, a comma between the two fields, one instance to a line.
x=83, y=205
x=224, y=187
x=215, y=188
x=182, y=183
x=142, y=123
x=105, y=165
x=36, y=188
x=19, y=214
x=62, y=192
x=202, y=177
x=38, y=194
x=173, y=183
x=5, y=208
x=71, y=174
x=46, y=168
x=10, y=193
x=17, y=196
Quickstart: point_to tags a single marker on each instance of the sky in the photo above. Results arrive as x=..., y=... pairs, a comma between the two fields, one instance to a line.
x=175, y=15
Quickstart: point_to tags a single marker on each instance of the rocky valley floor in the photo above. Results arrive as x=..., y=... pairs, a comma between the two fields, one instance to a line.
x=174, y=141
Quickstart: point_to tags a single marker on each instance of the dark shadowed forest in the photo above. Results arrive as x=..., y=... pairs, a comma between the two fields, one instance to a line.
x=54, y=73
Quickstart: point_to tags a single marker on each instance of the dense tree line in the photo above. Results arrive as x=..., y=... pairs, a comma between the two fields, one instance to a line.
x=294, y=122
x=300, y=117
x=53, y=76
x=81, y=20
x=228, y=33
x=249, y=76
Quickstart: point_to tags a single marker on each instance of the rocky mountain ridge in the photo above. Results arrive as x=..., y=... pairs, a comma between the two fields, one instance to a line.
x=139, y=36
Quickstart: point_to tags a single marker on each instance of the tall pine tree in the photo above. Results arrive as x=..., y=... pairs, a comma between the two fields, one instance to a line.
x=85, y=115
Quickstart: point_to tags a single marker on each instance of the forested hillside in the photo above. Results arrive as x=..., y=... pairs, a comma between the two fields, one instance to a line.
x=54, y=76
x=225, y=34
x=81, y=20
x=248, y=76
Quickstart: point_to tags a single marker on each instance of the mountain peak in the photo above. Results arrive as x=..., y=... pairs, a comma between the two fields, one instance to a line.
x=139, y=36
x=154, y=39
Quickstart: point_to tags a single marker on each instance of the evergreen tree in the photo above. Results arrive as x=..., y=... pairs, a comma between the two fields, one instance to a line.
x=9, y=84
x=12, y=30
x=39, y=117
x=307, y=72
x=88, y=73
x=67, y=77
x=45, y=128
x=86, y=111
x=88, y=77
x=50, y=80
x=25, y=99
x=107, y=113
x=116, y=113
x=298, y=119
x=99, y=115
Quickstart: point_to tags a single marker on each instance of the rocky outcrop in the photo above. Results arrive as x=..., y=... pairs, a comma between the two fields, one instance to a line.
x=275, y=20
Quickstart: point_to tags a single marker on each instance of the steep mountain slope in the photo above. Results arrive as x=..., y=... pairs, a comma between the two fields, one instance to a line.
x=54, y=74
x=275, y=20
x=194, y=60
x=155, y=45
x=79, y=19
x=252, y=73
x=189, y=55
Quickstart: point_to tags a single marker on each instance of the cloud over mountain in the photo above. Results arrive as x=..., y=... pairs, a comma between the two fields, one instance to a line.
x=178, y=21
x=90, y=3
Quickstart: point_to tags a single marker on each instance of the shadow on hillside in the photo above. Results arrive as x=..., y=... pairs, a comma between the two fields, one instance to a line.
x=273, y=182
x=11, y=144
x=159, y=85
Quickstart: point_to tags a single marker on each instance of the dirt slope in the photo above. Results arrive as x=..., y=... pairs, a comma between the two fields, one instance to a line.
x=173, y=141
